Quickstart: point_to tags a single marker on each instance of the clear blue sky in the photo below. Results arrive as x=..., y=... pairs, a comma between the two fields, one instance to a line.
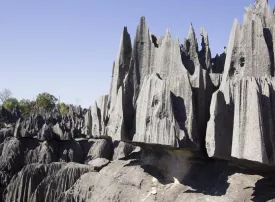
x=67, y=47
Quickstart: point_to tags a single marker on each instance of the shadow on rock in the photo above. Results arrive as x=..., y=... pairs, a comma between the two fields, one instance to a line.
x=264, y=189
x=194, y=173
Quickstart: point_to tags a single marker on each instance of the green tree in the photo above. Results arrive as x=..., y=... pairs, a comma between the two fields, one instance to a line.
x=10, y=103
x=64, y=109
x=26, y=106
x=46, y=101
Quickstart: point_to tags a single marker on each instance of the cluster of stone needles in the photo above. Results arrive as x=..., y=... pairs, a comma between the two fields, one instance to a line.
x=177, y=125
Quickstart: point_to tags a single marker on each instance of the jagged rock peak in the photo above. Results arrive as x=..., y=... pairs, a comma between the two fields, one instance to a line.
x=142, y=27
x=249, y=50
x=204, y=36
x=142, y=20
x=125, y=42
x=205, y=53
x=192, y=37
x=260, y=4
x=168, y=33
x=246, y=93
x=120, y=67
x=262, y=8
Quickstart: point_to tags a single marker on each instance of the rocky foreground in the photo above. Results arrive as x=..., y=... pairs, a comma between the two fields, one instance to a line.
x=177, y=125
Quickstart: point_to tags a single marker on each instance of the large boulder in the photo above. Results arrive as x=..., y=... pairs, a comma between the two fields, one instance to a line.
x=98, y=163
x=101, y=148
x=167, y=175
x=122, y=149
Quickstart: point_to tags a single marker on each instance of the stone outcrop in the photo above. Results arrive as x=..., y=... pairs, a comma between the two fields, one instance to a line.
x=158, y=121
x=242, y=111
x=40, y=159
x=148, y=179
x=52, y=187
x=122, y=150
x=198, y=64
x=205, y=52
x=100, y=148
x=24, y=183
x=155, y=173
x=136, y=109
x=161, y=56
x=177, y=125
x=95, y=118
x=98, y=163
x=12, y=155
x=188, y=93
x=5, y=132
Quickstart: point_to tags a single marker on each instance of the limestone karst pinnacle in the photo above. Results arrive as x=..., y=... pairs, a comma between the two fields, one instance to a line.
x=246, y=94
x=176, y=125
x=188, y=73
x=205, y=53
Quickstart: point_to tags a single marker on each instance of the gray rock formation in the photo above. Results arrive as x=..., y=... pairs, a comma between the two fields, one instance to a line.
x=120, y=68
x=24, y=183
x=61, y=133
x=5, y=132
x=170, y=108
x=45, y=153
x=12, y=155
x=157, y=177
x=161, y=56
x=28, y=127
x=98, y=163
x=216, y=79
x=218, y=63
x=95, y=118
x=70, y=151
x=53, y=186
x=115, y=127
x=122, y=150
x=205, y=53
x=102, y=104
x=242, y=120
x=101, y=148
x=183, y=111
x=88, y=123
x=156, y=122
x=198, y=64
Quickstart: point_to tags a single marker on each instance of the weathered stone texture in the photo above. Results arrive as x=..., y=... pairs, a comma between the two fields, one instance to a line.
x=242, y=110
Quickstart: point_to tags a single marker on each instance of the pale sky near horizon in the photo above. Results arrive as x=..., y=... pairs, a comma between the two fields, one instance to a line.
x=67, y=47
